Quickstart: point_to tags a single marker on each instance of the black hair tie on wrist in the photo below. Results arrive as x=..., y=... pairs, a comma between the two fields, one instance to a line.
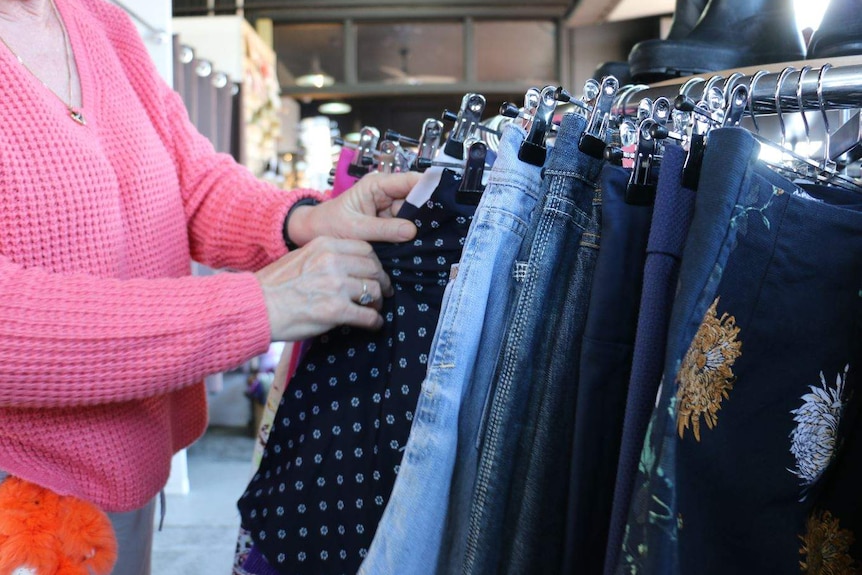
x=303, y=202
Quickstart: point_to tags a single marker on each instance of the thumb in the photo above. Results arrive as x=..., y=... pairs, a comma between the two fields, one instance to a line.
x=375, y=229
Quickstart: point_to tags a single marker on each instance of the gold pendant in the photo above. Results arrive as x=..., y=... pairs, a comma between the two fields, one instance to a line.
x=77, y=116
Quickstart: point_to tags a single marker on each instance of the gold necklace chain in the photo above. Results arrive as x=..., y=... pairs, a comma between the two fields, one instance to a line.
x=73, y=113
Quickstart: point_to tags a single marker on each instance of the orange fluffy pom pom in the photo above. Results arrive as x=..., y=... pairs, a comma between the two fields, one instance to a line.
x=49, y=534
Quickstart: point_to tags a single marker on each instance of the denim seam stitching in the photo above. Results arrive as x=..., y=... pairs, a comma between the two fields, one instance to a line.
x=504, y=383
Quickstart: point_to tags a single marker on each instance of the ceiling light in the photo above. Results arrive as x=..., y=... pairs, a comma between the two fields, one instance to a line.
x=316, y=78
x=334, y=108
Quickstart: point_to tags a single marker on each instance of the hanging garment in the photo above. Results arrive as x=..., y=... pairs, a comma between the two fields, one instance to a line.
x=343, y=180
x=606, y=359
x=754, y=445
x=672, y=215
x=408, y=539
x=341, y=427
x=545, y=356
x=283, y=373
x=531, y=397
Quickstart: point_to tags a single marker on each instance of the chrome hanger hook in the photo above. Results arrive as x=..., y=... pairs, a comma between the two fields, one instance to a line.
x=730, y=84
x=804, y=70
x=821, y=102
x=757, y=76
x=713, y=80
x=689, y=84
x=777, y=101
x=623, y=97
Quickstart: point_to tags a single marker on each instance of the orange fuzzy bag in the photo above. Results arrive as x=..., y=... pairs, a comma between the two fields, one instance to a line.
x=42, y=533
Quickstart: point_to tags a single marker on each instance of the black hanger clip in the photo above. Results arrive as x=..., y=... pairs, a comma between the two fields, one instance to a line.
x=649, y=149
x=533, y=149
x=641, y=188
x=466, y=122
x=471, y=188
x=594, y=139
x=707, y=113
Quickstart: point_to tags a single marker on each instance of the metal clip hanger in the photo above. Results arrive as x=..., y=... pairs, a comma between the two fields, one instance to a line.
x=641, y=188
x=429, y=141
x=533, y=149
x=471, y=188
x=466, y=122
x=528, y=113
x=386, y=156
x=403, y=159
x=593, y=140
x=706, y=114
x=365, y=150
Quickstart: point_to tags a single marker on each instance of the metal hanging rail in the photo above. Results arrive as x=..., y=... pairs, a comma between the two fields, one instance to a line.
x=821, y=87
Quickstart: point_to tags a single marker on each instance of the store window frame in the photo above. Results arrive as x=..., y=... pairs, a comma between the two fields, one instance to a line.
x=351, y=86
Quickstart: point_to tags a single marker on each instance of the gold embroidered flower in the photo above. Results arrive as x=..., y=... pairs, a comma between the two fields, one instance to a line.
x=826, y=547
x=705, y=376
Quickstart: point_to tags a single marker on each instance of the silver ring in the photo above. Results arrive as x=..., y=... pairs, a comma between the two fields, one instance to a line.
x=366, y=298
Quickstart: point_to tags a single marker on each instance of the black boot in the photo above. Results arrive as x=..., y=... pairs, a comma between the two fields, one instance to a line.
x=619, y=70
x=685, y=16
x=840, y=32
x=730, y=34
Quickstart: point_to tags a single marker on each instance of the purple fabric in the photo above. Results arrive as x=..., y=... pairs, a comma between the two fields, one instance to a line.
x=255, y=564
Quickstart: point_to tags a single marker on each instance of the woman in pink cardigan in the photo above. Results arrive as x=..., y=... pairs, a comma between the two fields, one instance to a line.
x=107, y=193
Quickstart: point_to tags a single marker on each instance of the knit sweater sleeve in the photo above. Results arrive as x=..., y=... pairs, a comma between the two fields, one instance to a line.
x=96, y=341
x=235, y=220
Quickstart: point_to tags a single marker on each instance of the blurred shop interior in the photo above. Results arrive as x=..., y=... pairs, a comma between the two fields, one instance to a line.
x=278, y=84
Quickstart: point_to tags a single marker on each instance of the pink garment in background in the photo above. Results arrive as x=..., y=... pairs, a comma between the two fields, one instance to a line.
x=343, y=180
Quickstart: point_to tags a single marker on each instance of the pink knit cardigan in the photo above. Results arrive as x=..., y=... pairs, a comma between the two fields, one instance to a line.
x=104, y=335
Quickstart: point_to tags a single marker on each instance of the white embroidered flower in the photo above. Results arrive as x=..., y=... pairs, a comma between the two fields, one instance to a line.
x=814, y=440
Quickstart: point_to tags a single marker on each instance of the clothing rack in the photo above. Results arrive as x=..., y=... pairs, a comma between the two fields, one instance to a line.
x=838, y=87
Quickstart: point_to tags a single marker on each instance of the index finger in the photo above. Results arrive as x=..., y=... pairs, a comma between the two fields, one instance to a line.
x=394, y=186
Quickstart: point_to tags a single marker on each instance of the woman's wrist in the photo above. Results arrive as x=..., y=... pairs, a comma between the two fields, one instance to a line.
x=291, y=229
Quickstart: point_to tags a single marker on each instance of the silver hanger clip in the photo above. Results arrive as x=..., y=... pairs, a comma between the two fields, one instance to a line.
x=525, y=114
x=641, y=189
x=365, y=150
x=594, y=139
x=386, y=156
x=533, y=149
x=429, y=141
x=737, y=104
x=467, y=121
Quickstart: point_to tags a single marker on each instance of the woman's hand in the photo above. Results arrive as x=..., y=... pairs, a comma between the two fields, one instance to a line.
x=312, y=290
x=365, y=212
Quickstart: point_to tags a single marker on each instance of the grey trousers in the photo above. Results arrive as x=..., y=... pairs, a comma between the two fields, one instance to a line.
x=134, y=531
